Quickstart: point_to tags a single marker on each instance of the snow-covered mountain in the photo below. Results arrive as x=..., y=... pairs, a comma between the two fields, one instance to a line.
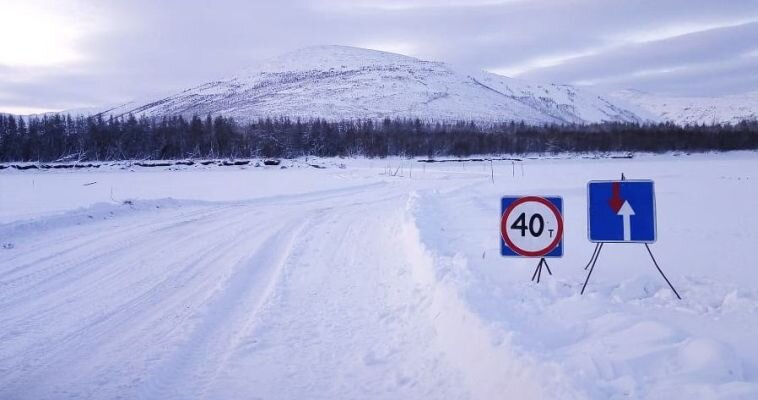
x=337, y=82
x=695, y=110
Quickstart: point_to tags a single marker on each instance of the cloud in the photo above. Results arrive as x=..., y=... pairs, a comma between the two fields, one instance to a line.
x=409, y=4
x=692, y=55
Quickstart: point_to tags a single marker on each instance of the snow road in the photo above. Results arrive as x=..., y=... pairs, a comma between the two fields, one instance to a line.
x=356, y=283
x=301, y=294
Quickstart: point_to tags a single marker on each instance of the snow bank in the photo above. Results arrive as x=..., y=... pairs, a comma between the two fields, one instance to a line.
x=491, y=364
x=628, y=336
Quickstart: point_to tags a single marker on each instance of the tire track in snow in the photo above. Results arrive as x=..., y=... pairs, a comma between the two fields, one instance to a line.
x=68, y=238
x=118, y=341
x=95, y=325
x=230, y=312
x=117, y=234
x=68, y=268
x=73, y=242
x=345, y=320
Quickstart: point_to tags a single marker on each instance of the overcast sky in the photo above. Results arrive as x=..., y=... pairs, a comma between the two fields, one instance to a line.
x=68, y=53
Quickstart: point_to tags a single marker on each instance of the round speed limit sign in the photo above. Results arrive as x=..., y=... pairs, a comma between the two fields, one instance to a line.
x=532, y=226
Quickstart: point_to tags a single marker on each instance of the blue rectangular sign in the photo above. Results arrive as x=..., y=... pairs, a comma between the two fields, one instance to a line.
x=621, y=211
x=533, y=225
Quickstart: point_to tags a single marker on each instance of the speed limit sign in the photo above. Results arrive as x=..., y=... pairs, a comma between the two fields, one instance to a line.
x=531, y=226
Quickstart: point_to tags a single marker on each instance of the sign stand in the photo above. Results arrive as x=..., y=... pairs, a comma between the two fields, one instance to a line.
x=661, y=271
x=538, y=271
x=599, y=247
x=596, y=254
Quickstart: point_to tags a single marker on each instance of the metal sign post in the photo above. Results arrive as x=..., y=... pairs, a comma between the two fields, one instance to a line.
x=621, y=212
x=538, y=271
x=532, y=226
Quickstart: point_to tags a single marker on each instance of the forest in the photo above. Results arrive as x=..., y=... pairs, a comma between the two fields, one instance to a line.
x=67, y=138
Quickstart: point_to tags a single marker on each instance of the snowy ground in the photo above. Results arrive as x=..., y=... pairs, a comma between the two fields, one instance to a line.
x=354, y=283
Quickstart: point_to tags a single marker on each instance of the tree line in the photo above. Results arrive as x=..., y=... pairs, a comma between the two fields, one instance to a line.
x=65, y=138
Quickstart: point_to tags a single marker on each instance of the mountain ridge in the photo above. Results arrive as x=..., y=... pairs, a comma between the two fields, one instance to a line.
x=339, y=82
x=684, y=110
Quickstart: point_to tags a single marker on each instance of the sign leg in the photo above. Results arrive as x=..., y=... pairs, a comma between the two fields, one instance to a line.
x=594, y=255
x=544, y=261
x=592, y=266
x=536, y=270
x=661, y=271
x=539, y=274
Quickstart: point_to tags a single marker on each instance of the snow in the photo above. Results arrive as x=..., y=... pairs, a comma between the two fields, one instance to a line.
x=342, y=83
x=227, y=282
x=695, y=110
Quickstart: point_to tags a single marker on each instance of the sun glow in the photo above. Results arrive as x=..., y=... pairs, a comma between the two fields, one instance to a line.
x=32, y=34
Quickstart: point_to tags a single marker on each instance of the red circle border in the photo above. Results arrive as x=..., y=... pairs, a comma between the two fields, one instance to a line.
x=526, y=253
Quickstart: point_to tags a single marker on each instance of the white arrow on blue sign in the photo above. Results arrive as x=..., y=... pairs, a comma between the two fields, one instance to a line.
x=621, y=211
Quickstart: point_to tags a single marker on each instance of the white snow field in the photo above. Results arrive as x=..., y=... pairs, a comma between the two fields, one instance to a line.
x=356, y=283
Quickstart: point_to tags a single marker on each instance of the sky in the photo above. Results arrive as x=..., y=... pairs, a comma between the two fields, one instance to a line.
x=69, y=54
